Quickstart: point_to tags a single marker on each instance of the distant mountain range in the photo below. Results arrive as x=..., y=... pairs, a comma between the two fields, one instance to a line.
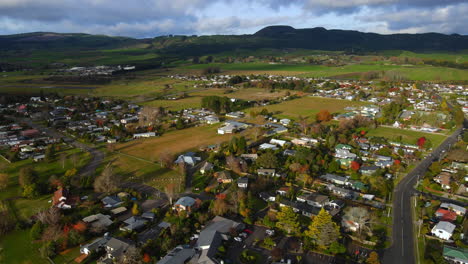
x=275, y=37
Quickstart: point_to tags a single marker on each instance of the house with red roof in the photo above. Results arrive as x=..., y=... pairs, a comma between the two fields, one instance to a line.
x=446, y=215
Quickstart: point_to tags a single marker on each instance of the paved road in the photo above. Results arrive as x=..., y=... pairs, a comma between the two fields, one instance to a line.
x=402, y=249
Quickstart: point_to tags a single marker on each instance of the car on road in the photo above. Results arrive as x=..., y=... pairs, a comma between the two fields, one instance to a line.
x=248, y=231
x=238, y=239
x=243, y=234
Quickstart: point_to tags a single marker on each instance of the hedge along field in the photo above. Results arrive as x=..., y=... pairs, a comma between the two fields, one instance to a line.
x=308, y=106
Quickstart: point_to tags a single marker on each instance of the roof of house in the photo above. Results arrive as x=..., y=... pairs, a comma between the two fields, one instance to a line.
x=445, y=226
x=453, y=207
x=185, y=201
x=446, y=215
x=61, y=192
x=243, y=180
x=111, y=200
x=117, y=246
x=178, y=255
x=456, y=253
x=217, y=225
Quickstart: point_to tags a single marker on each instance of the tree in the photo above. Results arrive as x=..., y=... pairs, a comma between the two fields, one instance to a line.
x=303, y=124
x=171, y=192
x=49, y=153
x=323, y=116
x=131, y=256
x=322, y=230
x=26, y=176
x=373, y=258
x=108, y=181
x=166, y=160
x=135, y=209
x=355, y=165
x=268, y=160
x=421, y=141
x=36, y=230
x=360, y=216
x=3, y=180
x=63, y=159
x=288, y=221
x=220, y=207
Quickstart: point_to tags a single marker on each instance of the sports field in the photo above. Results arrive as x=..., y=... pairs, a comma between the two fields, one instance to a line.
x=308, y=106
x=407, y=136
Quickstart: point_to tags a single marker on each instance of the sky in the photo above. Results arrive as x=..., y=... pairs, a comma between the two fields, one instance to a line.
x=150, y=18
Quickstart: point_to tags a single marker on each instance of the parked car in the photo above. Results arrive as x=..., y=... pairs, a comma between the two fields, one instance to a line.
x=238, y=239
x=270, y=232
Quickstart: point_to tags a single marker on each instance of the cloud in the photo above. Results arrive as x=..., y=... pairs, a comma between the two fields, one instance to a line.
x=148, y=18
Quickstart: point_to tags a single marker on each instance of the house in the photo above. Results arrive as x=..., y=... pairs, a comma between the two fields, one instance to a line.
x=344, y=154
x=185, y=203
x=116, y=248
x=237, y=114
x=267, y=197
x=111, y=201
x=134, y=223
x=266, y=172
x=211, y=237
x=340, y=180
x=349, y=225
x=150, y=216
x=368, y=170
x=279, y=142
x=268, y=146
x=38, y=158
x=223, y=176
x=314, y=199
x=243, y=182
x=444, y=179
x=345, y=193
x=336, y=204
x=144, y=135
x=252, y=157
x=94, y=246
x=206, y=167
x=231, y=127
x=289, y=152
x=384, y=163
x=283, y=190
x=460, y=210
x=30, y=133
x=188, y=158
x=118, y=210
x=285, y=121
x=211, y=119
x=98, y=221
x=443, y=230
x=62, y=198
x=455, y=255
x=445, y=215
x=178, y=255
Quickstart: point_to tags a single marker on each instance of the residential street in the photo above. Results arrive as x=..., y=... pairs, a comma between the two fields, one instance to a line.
x=403, y=248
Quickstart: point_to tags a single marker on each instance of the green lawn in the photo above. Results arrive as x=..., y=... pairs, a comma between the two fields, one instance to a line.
x=307, y=107
x=25, y=208
x=16, y=248
x=408, y=136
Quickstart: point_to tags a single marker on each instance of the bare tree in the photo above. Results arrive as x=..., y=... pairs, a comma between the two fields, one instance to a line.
x=74, y=158
x=166, y=159
x=3, y=180
x=361, y=217
x=303, y=124
x=108, y=181
x=63, y=159
x=220, y=207
x=111, y=147
x=171, y=191
x=236, y=164
x=51, y=216
x=131, y=256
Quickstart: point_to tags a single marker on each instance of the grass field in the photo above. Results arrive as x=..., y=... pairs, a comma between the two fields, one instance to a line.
x=307, y=107
x=408, y=136
x=410, y=72
x=25, y=208
x=18, y=249
x=175, y=142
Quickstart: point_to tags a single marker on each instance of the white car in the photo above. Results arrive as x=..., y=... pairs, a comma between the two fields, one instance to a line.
x=238, y=239
x=270, y=232
x=243, y=234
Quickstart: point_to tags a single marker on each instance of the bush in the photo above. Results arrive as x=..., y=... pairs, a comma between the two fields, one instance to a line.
x=36, y=230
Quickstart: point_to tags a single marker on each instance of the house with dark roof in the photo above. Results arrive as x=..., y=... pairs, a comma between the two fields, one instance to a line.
x=111, y=201
x=211, y=237
x=185, y=203
x=116, y=247
x=314, y=199
x=179, y=255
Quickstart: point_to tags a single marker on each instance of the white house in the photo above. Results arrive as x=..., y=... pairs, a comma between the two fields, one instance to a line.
x=443, y=230
x=144, y=135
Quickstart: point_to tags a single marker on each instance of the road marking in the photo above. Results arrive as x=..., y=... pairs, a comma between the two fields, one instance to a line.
x=402, y=245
